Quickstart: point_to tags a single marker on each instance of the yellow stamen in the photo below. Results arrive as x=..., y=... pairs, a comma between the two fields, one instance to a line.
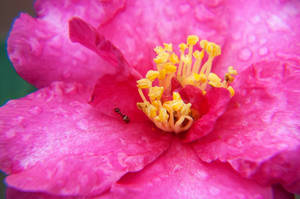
x=231, y=90
x=144, y=83
x=174, y=58
x=155, y=93
x=162, y=57
x=193, y=68
x=192, y=39
x=168, y=47
x=152, y=75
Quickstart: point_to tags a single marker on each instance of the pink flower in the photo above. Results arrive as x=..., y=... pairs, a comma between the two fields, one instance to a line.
x=54, y=144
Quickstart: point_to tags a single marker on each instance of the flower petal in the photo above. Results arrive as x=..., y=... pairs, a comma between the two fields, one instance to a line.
x=209, y=108
x=12, y=193
x=259, y=133
x=88, y=36
x=262, y=30
x=41, y=50
x=93, y=11
x=180, y=174
x=15, y=194
x=118, y=91
x=150, y=23
x=280, y=193
x=52, y=141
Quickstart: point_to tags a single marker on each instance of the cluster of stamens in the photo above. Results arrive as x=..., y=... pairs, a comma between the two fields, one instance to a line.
x=175, y=115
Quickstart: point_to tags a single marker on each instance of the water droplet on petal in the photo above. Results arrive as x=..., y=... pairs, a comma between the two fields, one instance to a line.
x=19, y=119
x=156, y=180
x=262, y=41
x=245, y=54
x=66, y=74
x=35, y=110
x=201, y=174
x=263, y=51
x=214, y=190
x=70, y=89
x=10, y=133
x=251, y=39
x=258, y=196
x=177, y=168
x=203, y=14
x=184, y=8
x=256, y=19
x=277, y=24
x=240, y=196
x=237, y=36
x=82, y=124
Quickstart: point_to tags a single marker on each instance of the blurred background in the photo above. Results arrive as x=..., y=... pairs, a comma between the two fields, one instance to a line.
x=11, y=85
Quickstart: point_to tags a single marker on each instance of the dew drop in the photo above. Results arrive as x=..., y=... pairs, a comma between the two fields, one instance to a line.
x=256, y=19
x=214, y=191
x=82, y=124
x=177, y=168
x=157, y=180
x=19, y=119
x=245, y=54
x=251, y=38
x=237, y=36
x=240, y=196
x=262, y=41
x=202, y=14
x=35, y=110
x=258, y=196
x=201, y=175
x=70, y=89
x=10, y=133
x=276, y=23
x=184, y=8
x=283, y=146
x=231, y=141
x=263, y=51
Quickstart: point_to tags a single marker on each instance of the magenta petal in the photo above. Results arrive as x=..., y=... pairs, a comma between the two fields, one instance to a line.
x=259, y=133
x=262, y=30
x=16, y=194
x=52, y=141
x=118, y=91
x=94, y=12
x=280, y=193
x=88, y=36
x=209, y=107
x=42, y=52
x=180, y=174
x=142, y=25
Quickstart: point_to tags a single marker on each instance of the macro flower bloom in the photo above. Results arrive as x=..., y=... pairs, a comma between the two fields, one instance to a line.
x=81, y=135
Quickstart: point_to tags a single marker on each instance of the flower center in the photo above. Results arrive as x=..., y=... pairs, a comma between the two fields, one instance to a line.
x=165, y=107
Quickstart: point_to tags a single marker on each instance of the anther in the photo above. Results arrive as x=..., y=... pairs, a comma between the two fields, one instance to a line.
x=175, y=115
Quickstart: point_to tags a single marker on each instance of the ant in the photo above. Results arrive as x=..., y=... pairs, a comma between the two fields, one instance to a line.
x=125, y=118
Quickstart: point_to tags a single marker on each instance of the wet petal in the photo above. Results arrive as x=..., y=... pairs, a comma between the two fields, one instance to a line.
x=180, y=174
x=87, y=35
x=118, y=91
x=262, y=30
x=259, y=133
x=93, y=11
x=280, y=193
x=16, y=194
x=41, y=50
x=208, y=108
x=150, y=23
x=53, y=141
